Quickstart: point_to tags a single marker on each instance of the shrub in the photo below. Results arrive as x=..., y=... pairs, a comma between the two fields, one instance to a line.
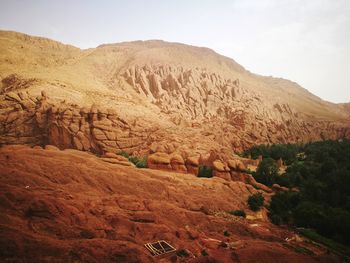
x=205, y=171
x=256, y=201
x=182, y=253
x=139, y=162
x=124, y=153
x=238, y=213
x=267, y=172
x=282, y=206
x=142, y=163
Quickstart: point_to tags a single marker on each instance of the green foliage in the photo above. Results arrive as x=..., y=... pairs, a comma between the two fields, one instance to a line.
x=331, y=244
x=139, y=162
x=238, y=213
x=255, y=201
x=323, y=203
x=298, y=249
x=281, y=207
x=288, y=152
x=182, y=253
x=204, y=253
x=227, y=233
x=267, y=172
x=205, y=171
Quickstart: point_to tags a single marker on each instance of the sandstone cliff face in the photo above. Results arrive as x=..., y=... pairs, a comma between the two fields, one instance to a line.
x=151, y=97
x=36, y=121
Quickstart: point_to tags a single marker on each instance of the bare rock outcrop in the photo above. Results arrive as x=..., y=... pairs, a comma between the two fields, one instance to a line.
x=37, y=121
x=152, y=96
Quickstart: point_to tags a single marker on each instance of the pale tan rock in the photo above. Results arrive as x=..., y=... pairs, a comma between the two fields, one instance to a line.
x=115, y=156
x=99, y=134
x=159, y=158
x=192, y=160
x=219, y=166
x=177, y=163
x=51, y=148
x=12, y=96
x=38, y=147
x=236, y=165
x=115, y=161
x=156, y=97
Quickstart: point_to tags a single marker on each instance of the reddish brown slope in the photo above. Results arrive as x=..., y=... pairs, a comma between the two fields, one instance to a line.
x=70, y=206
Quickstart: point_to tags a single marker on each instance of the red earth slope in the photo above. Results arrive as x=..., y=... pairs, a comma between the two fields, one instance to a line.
x=71, y=206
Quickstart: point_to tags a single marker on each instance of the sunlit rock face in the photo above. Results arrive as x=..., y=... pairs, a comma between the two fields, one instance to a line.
x=151, y=97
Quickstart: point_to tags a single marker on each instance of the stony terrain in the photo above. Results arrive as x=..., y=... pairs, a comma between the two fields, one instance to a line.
x=66, y=196
x=71, y=206
x=149, y=96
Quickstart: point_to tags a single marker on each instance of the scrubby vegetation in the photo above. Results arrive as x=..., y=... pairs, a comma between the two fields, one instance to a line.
x=321, y=172
x=255, y=201
x=182, y=253
x=286, y=152
x=240, y=213
x=267, y=172
x=205, y=171
x=139, y=162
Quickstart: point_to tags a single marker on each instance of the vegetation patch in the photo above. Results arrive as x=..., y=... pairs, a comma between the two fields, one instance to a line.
x=240, y=213
x=321, y=172
x=227, y=233
x=205, y=171
x=299, y=249
x=255, y=201
x=336, y=247
x=182, y=253
x=139, y=162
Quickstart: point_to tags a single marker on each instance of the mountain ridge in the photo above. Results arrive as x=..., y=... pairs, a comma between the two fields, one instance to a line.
x=181, y=91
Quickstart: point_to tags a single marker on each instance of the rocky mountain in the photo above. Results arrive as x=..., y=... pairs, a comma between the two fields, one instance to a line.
x=150, y=96
x=66, y=196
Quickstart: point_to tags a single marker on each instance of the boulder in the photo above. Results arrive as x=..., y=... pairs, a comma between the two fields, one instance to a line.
x=192, y=164
x=236, y=165
x=177, y=163
x=192, y=160
x=221, y=170
x=223, y=175
x=159, y=161
x=51, y=148
x=220, y=166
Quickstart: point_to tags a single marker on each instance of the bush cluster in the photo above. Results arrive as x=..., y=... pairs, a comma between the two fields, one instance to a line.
x=323, y=202
x=240, y=213
x=255, y=201
x=139, y=162
x=205, y=171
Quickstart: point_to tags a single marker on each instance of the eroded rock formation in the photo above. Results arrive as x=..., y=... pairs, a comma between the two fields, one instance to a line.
x=151, y=97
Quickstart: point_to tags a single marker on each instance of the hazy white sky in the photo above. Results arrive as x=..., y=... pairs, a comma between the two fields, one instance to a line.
x=307, y=41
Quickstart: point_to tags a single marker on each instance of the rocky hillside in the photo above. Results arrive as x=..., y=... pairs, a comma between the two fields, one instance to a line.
x=152, y=96
x=66, y=196
x=71, y=206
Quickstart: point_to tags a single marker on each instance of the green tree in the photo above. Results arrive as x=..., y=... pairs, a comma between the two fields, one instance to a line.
x=267, y=172
x=255, y=201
